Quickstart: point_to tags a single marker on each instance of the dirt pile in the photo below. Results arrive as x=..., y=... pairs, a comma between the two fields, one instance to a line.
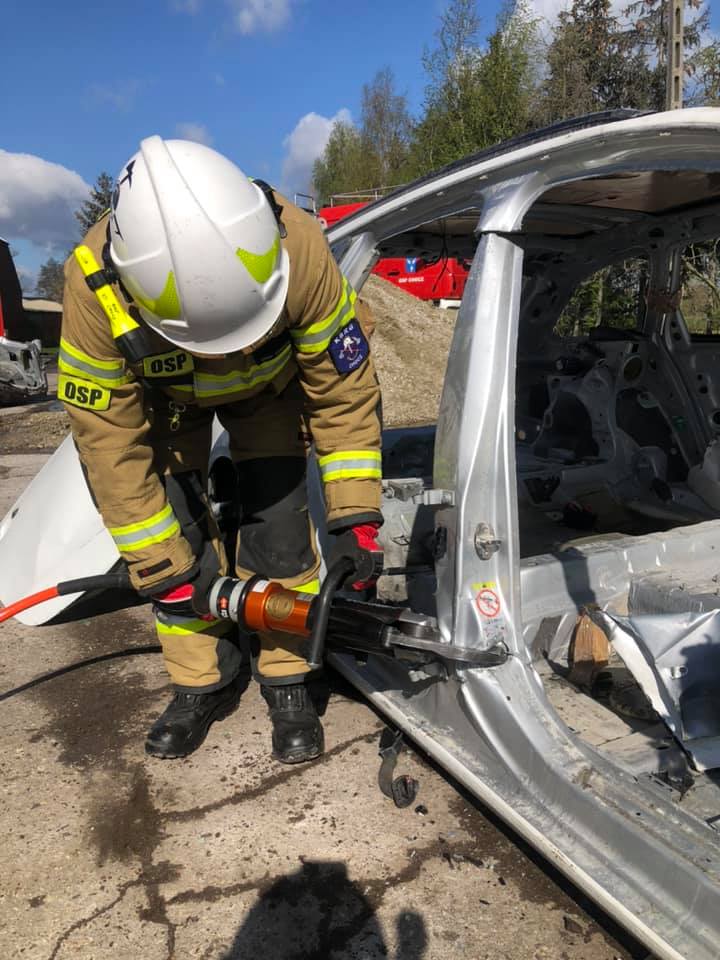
x=410, y=346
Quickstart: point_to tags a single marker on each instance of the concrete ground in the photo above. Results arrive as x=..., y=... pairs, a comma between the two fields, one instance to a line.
x=227, y=855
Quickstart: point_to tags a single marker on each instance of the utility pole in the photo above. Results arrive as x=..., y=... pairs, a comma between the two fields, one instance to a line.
x=674, y=87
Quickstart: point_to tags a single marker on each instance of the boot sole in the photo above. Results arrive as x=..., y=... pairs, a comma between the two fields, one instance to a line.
x=301, y=756
x=161, y=754
x=298, y=757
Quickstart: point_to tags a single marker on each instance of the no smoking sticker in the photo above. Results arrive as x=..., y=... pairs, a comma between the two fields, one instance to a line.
x=488, y=602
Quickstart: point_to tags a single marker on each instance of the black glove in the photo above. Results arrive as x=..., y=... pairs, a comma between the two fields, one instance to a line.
x=360, y=545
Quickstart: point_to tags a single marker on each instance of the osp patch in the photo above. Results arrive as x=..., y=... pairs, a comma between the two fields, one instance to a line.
x=83, y=393
x=349, y=348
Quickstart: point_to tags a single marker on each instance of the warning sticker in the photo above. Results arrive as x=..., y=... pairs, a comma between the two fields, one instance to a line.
x=488, y=602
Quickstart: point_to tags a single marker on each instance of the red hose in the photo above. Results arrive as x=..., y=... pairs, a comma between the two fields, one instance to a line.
x=26, y=602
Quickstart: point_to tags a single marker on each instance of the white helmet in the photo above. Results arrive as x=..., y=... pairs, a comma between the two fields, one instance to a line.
x=197, y=246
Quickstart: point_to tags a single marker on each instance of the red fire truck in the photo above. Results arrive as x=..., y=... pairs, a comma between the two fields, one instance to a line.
x=441, y=280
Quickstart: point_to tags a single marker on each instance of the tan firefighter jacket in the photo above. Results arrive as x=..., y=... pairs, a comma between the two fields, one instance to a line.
x=110, y=400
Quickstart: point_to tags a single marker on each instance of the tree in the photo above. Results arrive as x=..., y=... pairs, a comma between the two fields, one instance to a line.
x=476, y=95
x=341, y=167
x=98, y=202
x=508, y=76
x=647, y=32
x=373, y=155
x=384, y=131
x=595, y=64
x=452, y=89
x=598, y=61
x=50, y=280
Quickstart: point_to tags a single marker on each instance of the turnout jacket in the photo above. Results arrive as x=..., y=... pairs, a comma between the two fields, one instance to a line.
x=112, y=402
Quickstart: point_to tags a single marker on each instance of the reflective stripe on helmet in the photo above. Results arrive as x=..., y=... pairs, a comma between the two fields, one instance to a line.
x=135, y=536
x=260, y=266
x=351, y=465
x=317, y=337
x=216, y=385
x=167, y=305
x=77, y=363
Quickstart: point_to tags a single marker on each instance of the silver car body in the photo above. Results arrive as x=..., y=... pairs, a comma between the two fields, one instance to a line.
x=539, y=217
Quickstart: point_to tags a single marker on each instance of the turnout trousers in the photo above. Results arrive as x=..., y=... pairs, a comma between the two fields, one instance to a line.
x=269, y=447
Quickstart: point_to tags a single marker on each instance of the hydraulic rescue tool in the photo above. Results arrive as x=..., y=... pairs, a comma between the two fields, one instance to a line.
x=261, y=604
x=327, y=620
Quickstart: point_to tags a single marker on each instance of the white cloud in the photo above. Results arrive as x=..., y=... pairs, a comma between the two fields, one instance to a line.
x=250, y=16
x=548, y=9
x=304, y=145
x=194, y=131
x=37, y=201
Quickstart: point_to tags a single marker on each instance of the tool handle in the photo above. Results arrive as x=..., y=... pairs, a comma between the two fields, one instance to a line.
x=336, y=575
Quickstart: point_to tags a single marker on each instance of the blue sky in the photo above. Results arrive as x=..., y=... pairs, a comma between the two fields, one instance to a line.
x=259, y=80
x=84, y=84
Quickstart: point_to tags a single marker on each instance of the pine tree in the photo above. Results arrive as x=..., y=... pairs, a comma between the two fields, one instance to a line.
x=51, y=280
x=595, y=64
x=98, y=202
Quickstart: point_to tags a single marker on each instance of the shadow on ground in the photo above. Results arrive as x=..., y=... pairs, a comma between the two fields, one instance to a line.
x=317, y=913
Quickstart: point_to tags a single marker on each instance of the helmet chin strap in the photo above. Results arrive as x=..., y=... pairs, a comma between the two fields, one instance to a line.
x=274, y=205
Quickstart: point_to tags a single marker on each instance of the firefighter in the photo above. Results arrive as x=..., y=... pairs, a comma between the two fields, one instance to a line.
x=201, y=293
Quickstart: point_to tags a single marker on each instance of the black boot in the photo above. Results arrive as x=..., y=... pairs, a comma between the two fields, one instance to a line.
x=297, y=732
x=184, y=723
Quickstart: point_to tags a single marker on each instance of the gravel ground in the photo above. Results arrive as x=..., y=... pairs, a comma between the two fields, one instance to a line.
x=36, y=430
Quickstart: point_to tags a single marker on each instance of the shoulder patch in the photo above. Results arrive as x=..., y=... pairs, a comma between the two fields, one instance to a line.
x=83, y=393
x=349, y=348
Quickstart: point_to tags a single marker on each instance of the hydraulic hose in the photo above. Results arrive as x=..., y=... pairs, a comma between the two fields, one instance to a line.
x=106, y=581
x=321, y=609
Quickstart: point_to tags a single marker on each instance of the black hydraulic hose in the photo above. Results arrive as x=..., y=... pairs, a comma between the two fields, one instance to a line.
x=336, y=576
x=119, y=580
x=106, y=581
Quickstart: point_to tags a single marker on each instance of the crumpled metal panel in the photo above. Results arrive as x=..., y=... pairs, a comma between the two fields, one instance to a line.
x=675, y=657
